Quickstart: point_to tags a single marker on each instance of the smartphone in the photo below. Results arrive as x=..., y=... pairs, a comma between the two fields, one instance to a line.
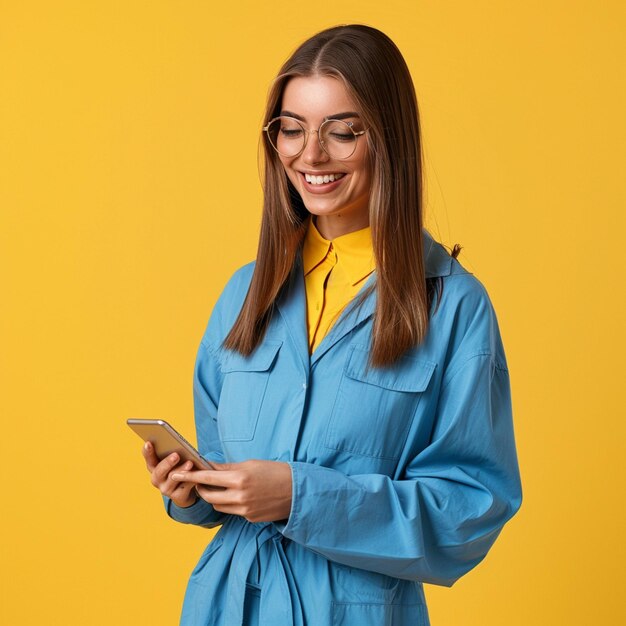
x=166, y=440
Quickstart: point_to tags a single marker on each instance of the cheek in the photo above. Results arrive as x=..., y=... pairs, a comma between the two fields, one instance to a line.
x=292, y=175
x=364, y=180
x=362, y=169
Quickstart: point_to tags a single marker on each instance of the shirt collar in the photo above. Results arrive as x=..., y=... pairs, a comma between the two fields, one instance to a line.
x=354, y=252
x=437, y=260
x=315, y=248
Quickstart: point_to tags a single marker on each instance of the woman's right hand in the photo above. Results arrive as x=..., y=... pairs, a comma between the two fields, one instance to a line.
x=182, y=494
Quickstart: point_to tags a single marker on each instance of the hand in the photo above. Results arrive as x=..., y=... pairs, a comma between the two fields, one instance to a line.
x=260, y=491
x=181, y=493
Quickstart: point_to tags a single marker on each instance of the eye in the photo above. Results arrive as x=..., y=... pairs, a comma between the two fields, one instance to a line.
x=343, y=137
x=289, y=128
x=338, y=131
x=290, y=133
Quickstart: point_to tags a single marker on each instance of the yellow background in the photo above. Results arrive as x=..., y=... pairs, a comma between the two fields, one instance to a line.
x=129, y=193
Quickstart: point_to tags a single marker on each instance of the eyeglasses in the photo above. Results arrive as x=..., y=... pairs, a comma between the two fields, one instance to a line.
x=336, y=137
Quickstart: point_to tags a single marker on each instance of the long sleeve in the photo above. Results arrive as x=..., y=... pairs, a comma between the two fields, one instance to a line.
x=206, y=381
x=206, y=384
x=441, y=517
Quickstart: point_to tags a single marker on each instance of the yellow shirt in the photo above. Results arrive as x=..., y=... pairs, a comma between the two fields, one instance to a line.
x=334, y=272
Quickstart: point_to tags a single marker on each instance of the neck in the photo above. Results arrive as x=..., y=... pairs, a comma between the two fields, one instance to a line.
x=332, y=226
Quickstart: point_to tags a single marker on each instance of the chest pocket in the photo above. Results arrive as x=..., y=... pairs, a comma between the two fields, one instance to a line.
x=243, y=390
x=374, y=407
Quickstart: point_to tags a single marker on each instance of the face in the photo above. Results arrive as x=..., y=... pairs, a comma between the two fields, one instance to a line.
x=340, y=206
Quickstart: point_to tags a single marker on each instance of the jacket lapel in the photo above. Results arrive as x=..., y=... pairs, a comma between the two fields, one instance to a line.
x=349, y=319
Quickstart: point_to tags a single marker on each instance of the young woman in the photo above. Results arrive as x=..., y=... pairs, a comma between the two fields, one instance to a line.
x=351, y=387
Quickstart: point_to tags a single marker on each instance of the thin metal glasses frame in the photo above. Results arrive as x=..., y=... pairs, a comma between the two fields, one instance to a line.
x=308, y=131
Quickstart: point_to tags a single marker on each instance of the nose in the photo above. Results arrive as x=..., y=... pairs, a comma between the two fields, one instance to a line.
x=313, y=152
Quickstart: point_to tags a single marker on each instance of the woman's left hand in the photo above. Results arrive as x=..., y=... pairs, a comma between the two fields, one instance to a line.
x=258, y=490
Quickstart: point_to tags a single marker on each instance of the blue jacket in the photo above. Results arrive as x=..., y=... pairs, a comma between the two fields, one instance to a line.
x=401, y=476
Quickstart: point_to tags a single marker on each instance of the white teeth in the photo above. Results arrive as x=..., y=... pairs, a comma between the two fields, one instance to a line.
x=320, y=180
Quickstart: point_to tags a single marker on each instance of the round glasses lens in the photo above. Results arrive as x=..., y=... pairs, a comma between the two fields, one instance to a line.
x=338, y=139
x=286, y=135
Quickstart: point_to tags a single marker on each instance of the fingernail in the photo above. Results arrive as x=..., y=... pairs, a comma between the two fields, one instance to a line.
x=177, y=477
x=174, y=457
x=147, y=445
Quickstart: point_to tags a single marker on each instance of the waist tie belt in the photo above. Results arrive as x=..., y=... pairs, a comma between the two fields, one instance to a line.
x=279, y=604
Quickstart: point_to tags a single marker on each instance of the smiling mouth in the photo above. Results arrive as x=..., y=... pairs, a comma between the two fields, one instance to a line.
x=323, y=179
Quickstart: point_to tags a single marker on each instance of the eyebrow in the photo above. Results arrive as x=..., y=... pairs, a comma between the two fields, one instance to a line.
x=336, y=116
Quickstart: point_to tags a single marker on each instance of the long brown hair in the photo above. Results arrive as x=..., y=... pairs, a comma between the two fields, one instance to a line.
x=378, y=79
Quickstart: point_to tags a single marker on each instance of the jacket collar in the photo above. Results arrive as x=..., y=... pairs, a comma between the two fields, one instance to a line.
x=437, y=261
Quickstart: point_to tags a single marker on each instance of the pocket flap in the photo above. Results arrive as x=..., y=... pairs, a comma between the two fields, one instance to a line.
x=406, y=374
x=259, y=361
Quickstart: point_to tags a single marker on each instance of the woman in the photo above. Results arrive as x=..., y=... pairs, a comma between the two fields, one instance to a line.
x=351, y=386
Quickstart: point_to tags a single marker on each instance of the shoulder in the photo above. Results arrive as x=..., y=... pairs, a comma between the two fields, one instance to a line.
x=465, y=315
x=236, y=287
x=460, y=285
x=243, y=275
x=463, y=290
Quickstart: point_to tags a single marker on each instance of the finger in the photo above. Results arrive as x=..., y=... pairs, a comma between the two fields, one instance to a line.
x=185, y=467
x=167, y=486
x=196, y=476
x=217, y=496
x=165, y=466
x=218, y=478
x=150, y=456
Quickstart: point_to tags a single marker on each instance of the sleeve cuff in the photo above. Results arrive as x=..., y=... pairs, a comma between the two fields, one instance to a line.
x=287, y=527
x=283, y=525
x=200, y=513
